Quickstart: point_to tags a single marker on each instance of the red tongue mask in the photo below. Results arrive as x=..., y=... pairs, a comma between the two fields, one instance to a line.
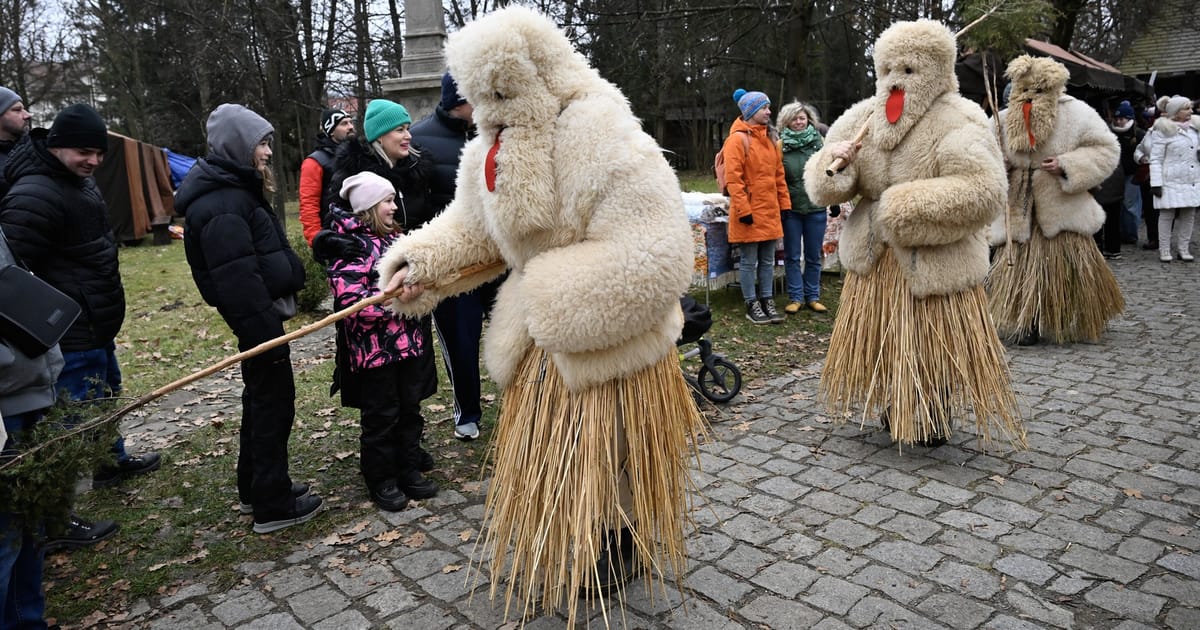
x=489, y=166
x=895, y=105
x=1025, y=109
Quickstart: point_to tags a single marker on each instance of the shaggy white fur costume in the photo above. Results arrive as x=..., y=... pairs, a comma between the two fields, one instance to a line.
x=1053, y=282
x=564, y=186
x=930, y=178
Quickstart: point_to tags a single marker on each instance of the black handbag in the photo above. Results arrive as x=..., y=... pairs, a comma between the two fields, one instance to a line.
x=33, y=314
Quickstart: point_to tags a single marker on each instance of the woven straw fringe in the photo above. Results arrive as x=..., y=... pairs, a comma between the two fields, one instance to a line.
x=1061, y=284
x=555, y=489
x=923, y=361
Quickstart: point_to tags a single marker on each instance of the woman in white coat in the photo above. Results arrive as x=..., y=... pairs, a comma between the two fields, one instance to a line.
x=1175, y=175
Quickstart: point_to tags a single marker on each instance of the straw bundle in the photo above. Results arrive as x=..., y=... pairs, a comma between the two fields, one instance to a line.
x=1061, y=284
x=922, y=361
x=570, y=467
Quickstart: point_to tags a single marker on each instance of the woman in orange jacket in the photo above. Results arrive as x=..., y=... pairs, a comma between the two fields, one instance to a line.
x=757, y=192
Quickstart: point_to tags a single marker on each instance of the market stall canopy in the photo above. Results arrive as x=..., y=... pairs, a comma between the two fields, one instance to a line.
x=1089, y=73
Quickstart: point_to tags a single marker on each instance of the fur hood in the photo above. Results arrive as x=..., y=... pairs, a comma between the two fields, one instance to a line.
x=930, y=182
x=1169, y=128
x=591, y=224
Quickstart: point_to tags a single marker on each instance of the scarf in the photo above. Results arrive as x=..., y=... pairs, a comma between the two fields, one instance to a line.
x=803, y=139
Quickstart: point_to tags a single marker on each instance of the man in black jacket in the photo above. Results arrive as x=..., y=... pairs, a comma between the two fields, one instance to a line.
x=57, y=226
x=317, y=169
x=14, y=124
x=242, y=264
x=459, y=320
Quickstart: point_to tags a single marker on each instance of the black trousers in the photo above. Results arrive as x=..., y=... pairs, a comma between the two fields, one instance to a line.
x=1149, y=213
x=391, y=419
x=268, y=410
x=1111, y=232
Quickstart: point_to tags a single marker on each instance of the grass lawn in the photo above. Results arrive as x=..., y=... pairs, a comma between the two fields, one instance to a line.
x=181, y=523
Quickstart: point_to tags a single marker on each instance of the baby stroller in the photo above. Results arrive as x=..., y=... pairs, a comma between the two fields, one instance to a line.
x=718, y=379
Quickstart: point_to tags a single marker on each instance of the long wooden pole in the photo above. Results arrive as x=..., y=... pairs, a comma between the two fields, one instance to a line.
x=242, y=356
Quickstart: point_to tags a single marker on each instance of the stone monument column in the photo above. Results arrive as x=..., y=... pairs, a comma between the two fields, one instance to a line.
x=420, y=86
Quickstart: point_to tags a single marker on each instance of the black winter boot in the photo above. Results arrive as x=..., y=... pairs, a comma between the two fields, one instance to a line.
x=615, y=566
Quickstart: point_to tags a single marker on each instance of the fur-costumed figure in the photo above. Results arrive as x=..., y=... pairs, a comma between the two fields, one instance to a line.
x=1054, y=283
x=913, y=337
x=565, y=188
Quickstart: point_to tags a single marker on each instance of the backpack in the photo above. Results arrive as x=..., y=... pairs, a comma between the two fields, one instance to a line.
x=719, y=163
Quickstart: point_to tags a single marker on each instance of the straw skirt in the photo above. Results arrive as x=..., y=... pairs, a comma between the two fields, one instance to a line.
x=571, y=466
x=923, y=361
x=1061, y=284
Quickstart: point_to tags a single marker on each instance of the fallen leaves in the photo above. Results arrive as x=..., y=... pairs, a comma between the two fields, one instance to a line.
x=998, y=479
x=199, y=555
x=416, y=540
x=1133, y=493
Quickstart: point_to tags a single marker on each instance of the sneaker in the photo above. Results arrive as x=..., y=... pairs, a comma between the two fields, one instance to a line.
x=387, y=496
x=425, y=461
x=768, y=306
x=754, y=313
x=133, y=466
x=466, y=431
x=817, y=307
x=793, y=307
x=1186, y=257
x=1112, y=255
x=81, y=533
x=1165, y=258
x=416, y=485
x=298, y=490
x=305, y=508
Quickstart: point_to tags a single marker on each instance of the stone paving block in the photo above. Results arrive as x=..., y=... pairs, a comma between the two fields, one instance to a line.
x=745, y=560
x=1020, y=492
x=1102, y=564
x=1076, y=532
x=727, y=492
x=1172, y=534
x=1007, y=622
x=345, y=620
x=784, y=467
x=277, y=621
x=896, y=479
x=863, y=491
x=1186, y=564
x=1181, y=590
x=751, y=529
x=805, y=518
x=955, y=611
x=766, y=506
x=694, y=613
x=314, y=605
x=1161, y=509
x=717, y=586
x=908, y=503
x=446, y=586
x=1025, y=568
x=899, y=586
x=285, y=583
x=834, y=594
x=1040, y=476
x=848, y=533
x=945, y=493
x=390, y=599
x=796, y=545
x=966, y=579
x=1132, y=625
x=838, y=562
x=745, y=455
x=1125, y=602
x=1170, y=473
x=912, y=528
x=189, y=616
x=1139, y=550
x=977, y=524
x=875, y=612
x=786, y=578
x=1036, y=607
x=712, y=514
x=427, y=617
x=184, y=593
x=1092, y=491
x=1183, y=619
x=359, y=578
x=1148, y=486
x=427, y=562
x=706, y=546
x=964, y=546
x=831, y=623
x=1006, y=511
x=822, y=478
x=1071, y=583
x=1121, y=520
x=783, y=487
x=955, y=476
x=873, y=515
x=832, y=503
x=713, y=464
x=245, y=606
x=1068, y=506
x=781, y=614
x=905, y=555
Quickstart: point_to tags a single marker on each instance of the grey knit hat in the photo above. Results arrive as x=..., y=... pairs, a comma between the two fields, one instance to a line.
x=234, y=131
x=8, y=98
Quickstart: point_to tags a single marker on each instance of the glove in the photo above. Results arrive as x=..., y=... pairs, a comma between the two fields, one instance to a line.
x=1156, y=190
x=328, y=246
x=834, y=211
x=746, y=219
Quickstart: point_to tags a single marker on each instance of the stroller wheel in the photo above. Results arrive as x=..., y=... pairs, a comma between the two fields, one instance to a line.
x=721, y=382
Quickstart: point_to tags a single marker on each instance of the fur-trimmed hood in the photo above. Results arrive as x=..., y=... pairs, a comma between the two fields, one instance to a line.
x=1169, y=128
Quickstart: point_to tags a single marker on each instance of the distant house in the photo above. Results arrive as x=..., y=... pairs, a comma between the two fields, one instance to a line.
x=53, y=86
x=1167, y=48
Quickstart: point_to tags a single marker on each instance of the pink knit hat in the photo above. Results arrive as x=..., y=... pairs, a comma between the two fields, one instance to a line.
x=366, y=189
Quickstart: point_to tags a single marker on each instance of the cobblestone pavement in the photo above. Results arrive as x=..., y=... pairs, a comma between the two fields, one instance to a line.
x=807, y=525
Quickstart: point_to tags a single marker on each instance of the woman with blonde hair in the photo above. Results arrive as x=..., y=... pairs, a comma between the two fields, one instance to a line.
x=804, y=224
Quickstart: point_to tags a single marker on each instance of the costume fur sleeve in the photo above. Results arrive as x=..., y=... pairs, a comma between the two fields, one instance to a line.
x=1095, y=153
x=822, y=189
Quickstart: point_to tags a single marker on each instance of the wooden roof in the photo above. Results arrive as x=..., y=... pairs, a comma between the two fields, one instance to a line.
x=1168, y=43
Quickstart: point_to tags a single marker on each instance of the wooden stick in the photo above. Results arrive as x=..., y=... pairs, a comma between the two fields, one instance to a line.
x=839, y=163
x=979, y=19
x=242, y=356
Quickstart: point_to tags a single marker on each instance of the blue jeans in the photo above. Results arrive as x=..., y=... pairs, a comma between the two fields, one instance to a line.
x=803, y=234
x=757, y=263
x=92, y=374
x=20, y=559
x=1132, y=216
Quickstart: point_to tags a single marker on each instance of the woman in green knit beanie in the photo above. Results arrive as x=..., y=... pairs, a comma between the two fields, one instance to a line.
x=804, y=224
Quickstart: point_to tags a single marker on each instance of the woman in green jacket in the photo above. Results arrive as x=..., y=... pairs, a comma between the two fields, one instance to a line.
x=804, y=224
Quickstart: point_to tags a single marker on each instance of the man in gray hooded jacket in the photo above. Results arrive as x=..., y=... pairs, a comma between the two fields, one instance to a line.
x=242, y=264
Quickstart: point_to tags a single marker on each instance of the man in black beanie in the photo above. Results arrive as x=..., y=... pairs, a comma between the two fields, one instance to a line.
x=315, y=172
x=56, y=222
x=459, y=320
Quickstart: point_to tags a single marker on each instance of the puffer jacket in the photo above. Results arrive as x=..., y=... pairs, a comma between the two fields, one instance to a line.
x=57, y=225
x=375, y=336
x=445, y=136
x=756, y=184
x=410, y=177
x=237, y=249
x=1175, y=163
x=316, y=171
